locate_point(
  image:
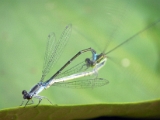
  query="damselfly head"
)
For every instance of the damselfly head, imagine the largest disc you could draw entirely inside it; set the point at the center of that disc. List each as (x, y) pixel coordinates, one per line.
(26, 95)
(89, 62)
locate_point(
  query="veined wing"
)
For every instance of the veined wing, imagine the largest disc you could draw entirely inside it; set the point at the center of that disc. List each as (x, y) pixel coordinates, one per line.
(75, 69)
(80, 67)
(54, 49)
(88, 83)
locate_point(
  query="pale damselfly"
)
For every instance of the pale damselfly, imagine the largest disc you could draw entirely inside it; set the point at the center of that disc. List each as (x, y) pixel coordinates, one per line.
(95, 63)
(53, 51)
(61, 79)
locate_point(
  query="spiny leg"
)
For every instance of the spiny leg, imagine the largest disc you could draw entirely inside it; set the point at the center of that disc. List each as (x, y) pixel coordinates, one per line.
(30, 103)
(40, 99)
(21, 103)
(47, 99)
(27, 103)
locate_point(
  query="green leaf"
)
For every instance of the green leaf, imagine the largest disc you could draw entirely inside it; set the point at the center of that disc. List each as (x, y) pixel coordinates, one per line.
(25, 25)
(148, 109)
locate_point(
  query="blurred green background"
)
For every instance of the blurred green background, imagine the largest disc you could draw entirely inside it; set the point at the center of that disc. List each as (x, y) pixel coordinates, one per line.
(132, 70)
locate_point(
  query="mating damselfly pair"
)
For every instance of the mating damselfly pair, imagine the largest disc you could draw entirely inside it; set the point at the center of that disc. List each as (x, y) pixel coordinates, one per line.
(68, 78)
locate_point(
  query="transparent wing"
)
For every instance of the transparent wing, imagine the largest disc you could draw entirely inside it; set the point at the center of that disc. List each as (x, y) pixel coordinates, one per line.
(75, 69)
(54, 49)
(80, 67)
(88, 83)
(48, 60)
(119, 17)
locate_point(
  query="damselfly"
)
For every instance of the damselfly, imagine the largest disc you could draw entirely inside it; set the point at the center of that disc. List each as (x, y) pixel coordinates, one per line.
(95, 63)
(53, 51)
(61, 79)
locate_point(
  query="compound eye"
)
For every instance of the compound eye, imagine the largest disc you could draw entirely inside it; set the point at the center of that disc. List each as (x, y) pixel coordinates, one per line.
(87, 60)
(24, 92)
